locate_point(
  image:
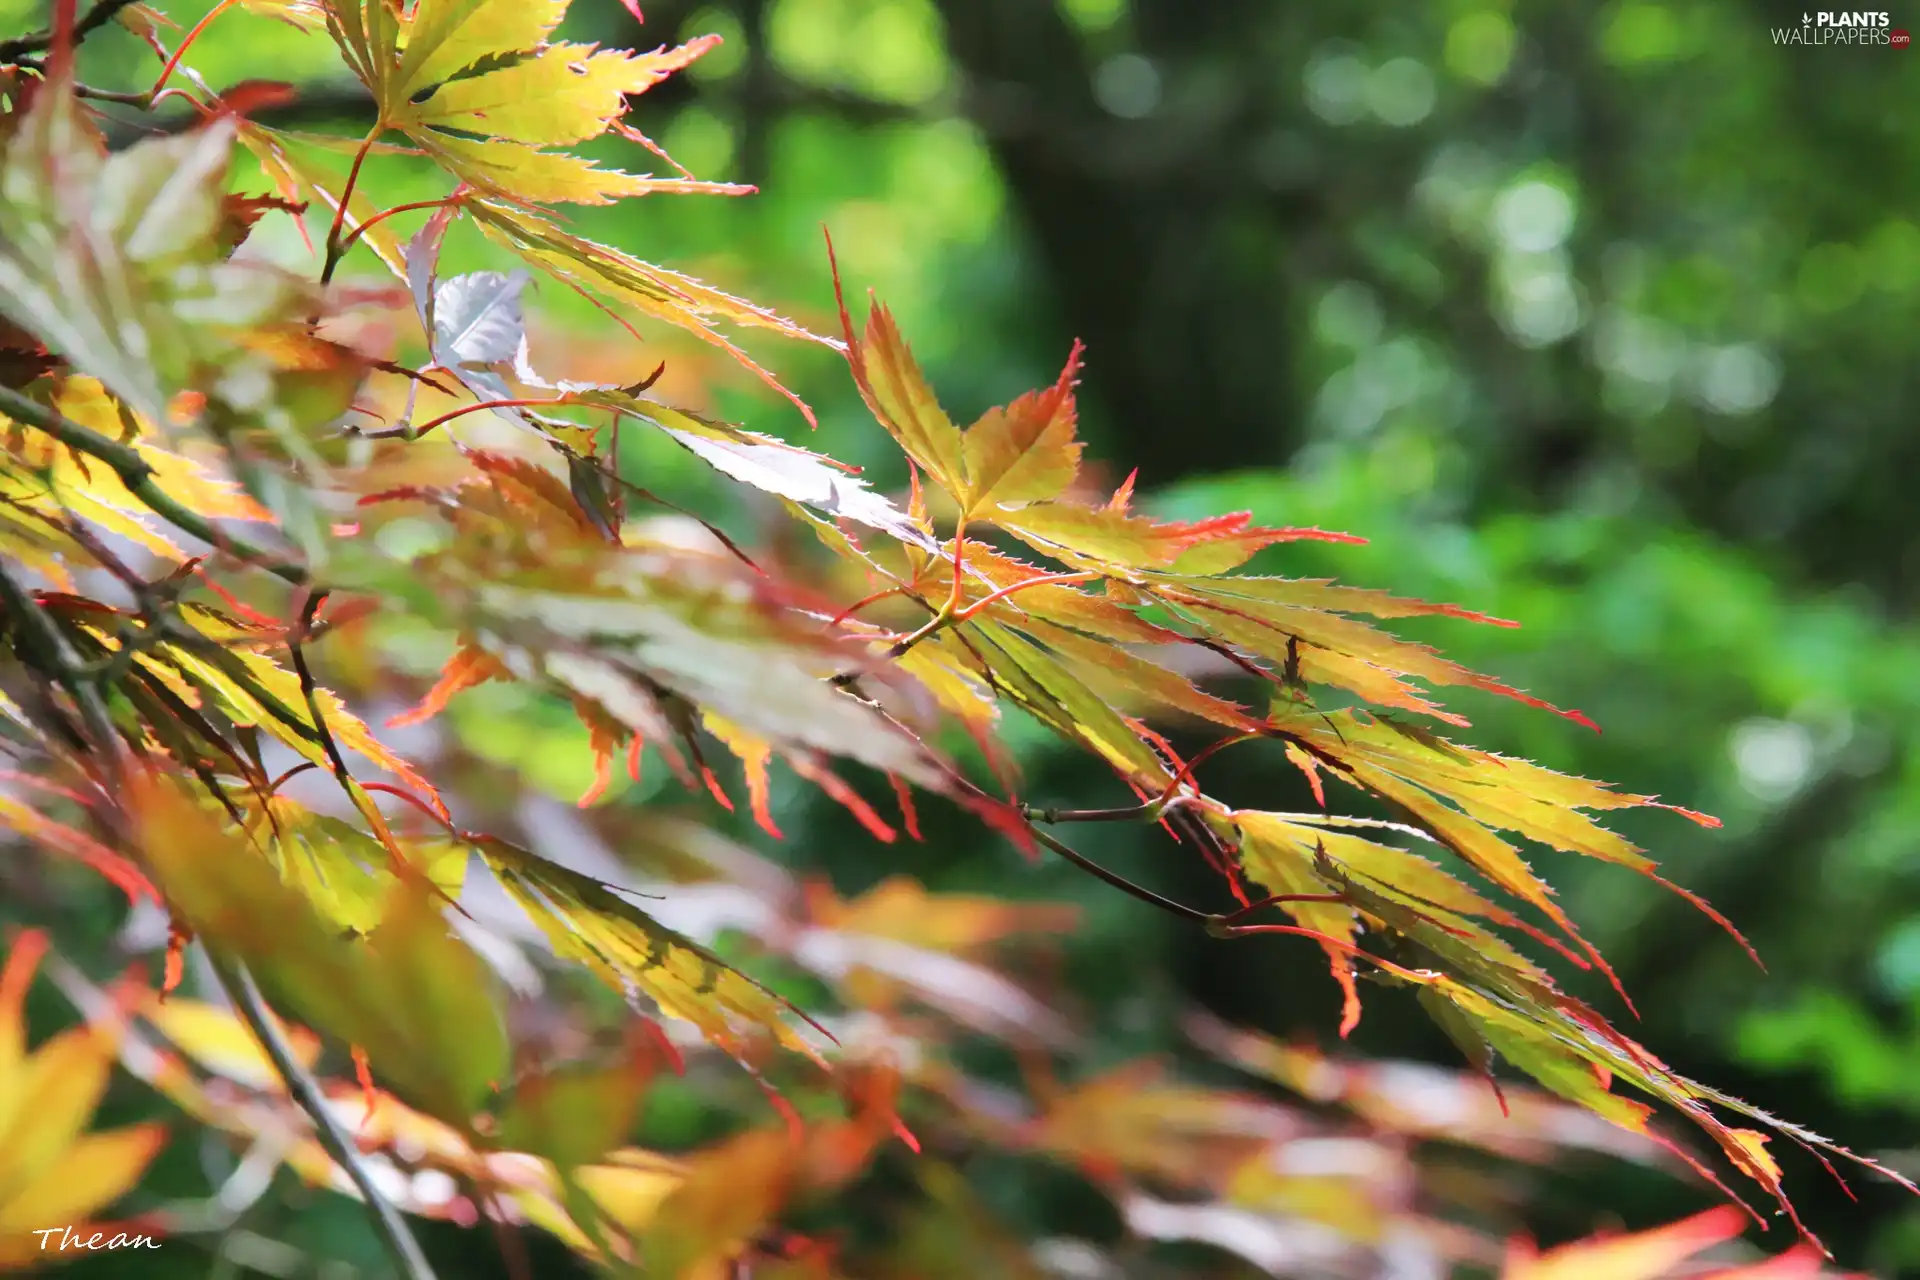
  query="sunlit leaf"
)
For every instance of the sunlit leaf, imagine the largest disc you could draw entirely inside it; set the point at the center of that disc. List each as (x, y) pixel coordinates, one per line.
(415, 999)
(117, 262)
(586, 921)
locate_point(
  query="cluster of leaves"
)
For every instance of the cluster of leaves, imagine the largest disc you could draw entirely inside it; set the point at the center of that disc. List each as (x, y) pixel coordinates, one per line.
(1294, 1190)
(166, 384)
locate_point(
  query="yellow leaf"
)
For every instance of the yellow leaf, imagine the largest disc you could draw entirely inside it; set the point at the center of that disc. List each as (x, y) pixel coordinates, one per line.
(288, 160)
(547, 177)
(95, 1170)
(897, 392)
(23, 959)
(213, 1037)
(1131, 1121)
(368, 33)
(307, 15)
(585, 921)
(1269, 627)
(1269, 849)
(728, 1194)
(565, 93)
(631, 1193)
(54, 1095)
(275, 696)
(1058, 697)
(1128, 679)
(446, 36)
(413, 996)
(1106, 536)
(37, 475)
(900, 908)
(619, 277)
(345, 872)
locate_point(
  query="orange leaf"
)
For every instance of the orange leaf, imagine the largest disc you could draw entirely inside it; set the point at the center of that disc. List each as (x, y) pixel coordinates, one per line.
(1645, 1255)
(1024, 452)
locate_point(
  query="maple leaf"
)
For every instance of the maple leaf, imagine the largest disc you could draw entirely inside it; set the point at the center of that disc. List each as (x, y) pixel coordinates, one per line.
(298, 165)
(899, 907)
(492, 125)
(774, 466)
(46, 480)
(52, 1169)
(1652, 1255)
(213, 664)
(586, 921)
(120, 279)
(1024, 452)
(897, 393)
(120, 264)
(622, 279)
(1014, 466)
(649, 638)
(341, 869)
(411, 996)
(1132, 1121)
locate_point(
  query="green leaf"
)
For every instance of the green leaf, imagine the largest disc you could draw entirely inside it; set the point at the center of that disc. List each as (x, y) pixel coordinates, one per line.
(417, 1000)
(572, 1114)
(118, 263)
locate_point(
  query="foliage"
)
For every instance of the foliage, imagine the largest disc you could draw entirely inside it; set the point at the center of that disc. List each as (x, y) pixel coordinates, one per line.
(55, 1171)
(169, 384)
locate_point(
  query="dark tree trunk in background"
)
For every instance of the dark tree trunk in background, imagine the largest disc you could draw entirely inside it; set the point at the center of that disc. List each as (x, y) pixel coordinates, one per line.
(1156, 248)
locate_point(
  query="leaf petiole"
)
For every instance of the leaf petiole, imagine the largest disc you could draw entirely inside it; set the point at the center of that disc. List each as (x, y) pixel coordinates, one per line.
(336, 247)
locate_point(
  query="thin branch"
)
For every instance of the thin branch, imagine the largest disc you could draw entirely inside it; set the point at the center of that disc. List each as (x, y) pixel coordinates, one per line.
(103, 12)
(898, 649)
(1123, 884)
(411, 432)
(57, 660)
(1123, 813)
(137, 475)
(305, 1091)
(1218, 925)
(310, 690)
(109, 95)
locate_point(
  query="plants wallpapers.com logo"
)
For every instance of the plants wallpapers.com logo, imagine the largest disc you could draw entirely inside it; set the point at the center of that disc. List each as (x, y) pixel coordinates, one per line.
(1844, 28)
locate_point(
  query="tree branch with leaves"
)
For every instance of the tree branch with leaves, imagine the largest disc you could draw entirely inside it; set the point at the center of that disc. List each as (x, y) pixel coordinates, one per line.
(181, 389)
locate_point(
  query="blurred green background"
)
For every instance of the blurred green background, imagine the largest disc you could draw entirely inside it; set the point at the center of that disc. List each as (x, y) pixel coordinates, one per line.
(1598, 317)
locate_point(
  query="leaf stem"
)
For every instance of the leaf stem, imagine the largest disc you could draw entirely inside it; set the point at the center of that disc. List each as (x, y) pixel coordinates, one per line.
(959, 564)
(355, 234)
(1045, 579)
(953, 611)
(186, 42)
(411, 432)
(137, 475)
(950, 611)
(305, 1091)
(335, 247)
